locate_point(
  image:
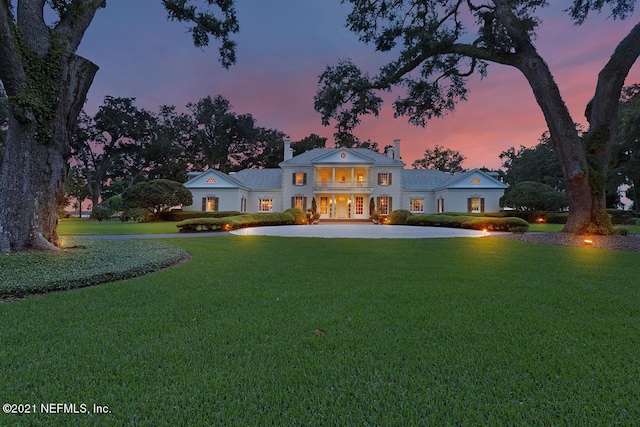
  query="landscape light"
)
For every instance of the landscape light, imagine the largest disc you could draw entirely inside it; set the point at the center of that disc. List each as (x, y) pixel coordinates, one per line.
(588, 242)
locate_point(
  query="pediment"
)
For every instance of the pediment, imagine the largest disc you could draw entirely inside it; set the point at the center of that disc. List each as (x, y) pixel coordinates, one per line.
(475, 179)
(341, 156)
(211, 179)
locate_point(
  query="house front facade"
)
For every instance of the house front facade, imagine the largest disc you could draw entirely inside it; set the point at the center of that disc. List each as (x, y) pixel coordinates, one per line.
(345, 183)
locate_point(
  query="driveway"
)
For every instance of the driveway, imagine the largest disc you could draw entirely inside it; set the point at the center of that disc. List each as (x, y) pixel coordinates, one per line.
(359, 231)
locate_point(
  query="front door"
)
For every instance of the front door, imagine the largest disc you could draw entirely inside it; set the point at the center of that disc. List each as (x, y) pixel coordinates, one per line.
(342, 208)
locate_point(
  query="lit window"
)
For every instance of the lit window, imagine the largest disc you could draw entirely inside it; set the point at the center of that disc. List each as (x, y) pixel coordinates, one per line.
(476, 204)
(299, 202)
(475, 180)
(211, 180)
(417, 205)
(384, 178)
(266, 205)
(211, 204)
(359, 205)
(299, 178)
(383, 205)
(324, 205)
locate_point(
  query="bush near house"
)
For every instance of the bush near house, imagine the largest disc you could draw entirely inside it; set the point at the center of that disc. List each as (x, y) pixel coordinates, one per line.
(471, 222)
(399, 217)
(182, 215)
(299, 216)
(235, 222)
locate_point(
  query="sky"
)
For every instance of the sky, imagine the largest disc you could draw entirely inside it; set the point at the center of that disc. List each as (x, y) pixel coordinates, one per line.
(284, 45)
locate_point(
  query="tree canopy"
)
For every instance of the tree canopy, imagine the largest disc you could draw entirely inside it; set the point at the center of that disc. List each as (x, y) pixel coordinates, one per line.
(156, 196)
(436, 45)
(440, 158)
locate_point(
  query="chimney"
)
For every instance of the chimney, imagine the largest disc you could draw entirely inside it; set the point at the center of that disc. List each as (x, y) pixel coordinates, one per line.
(288, 152)
(390, 152)
(396, 149)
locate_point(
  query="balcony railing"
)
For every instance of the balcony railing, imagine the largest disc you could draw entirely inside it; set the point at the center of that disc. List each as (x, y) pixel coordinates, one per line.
(343, 184)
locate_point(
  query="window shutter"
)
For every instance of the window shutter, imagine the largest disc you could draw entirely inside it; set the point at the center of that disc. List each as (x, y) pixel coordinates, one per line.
(390, 182)
(293, 201)
(442, 205)
(379, 182)
(215, 204)
(204, 204)
(390, 200)
(304, 180)
(304, 201)
(293, 178)
(469, 205)
(482, 205)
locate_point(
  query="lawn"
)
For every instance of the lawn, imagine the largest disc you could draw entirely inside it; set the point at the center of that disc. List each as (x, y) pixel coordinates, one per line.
(90, 227)
(289, 331)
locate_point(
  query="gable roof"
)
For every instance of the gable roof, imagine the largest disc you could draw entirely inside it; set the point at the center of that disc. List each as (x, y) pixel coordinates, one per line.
(334, 156)
(474, 178)
(212, 178)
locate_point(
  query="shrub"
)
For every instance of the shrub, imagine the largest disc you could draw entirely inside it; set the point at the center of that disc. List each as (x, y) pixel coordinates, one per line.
(399, 216)
(470, 222)
(235, 222)
(101, 212)
(299, 216)
(620, 217)
(182, 215)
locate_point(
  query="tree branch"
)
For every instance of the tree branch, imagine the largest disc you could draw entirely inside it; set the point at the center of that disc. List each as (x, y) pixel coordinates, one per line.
(12, 74)
(75, 21)
(603, 108)
(32, 25)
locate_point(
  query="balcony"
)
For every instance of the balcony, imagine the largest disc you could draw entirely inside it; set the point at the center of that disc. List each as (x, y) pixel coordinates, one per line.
(343, 186)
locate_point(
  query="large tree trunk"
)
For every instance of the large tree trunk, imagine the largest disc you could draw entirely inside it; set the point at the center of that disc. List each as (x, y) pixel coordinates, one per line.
(34, 170)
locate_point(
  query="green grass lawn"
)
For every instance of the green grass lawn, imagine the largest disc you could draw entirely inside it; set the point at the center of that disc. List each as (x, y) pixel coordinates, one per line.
(90, 227)
(409, 332)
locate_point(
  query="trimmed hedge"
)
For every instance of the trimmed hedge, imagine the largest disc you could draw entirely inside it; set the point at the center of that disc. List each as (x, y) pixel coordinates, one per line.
(299, 216)
(182, 215)
(235, 222)
(471, 222)
(399, 217)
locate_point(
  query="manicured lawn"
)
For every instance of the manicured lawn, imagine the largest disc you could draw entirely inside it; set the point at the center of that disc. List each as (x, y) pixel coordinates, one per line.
(277, 331)
(552, 228)
(89, 227)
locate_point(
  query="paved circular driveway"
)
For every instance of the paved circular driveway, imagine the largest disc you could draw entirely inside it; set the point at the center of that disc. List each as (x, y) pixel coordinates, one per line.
(358, 230)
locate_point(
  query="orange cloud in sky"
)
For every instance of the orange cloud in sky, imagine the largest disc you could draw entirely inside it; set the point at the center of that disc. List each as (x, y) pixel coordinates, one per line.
(281, 55)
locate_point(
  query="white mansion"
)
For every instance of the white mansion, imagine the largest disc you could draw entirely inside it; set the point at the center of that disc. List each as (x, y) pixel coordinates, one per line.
(343, 181)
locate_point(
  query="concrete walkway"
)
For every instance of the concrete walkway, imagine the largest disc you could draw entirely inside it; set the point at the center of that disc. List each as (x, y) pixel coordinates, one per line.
(358, 231)
(336, 230)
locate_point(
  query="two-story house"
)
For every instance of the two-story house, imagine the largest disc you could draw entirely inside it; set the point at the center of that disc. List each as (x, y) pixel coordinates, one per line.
(344, 182)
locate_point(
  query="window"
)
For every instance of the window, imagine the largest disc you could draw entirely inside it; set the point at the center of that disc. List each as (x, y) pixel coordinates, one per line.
(440, 205)
(299, 178)
(209, 204)
(359, 205)
(417, 205)
(266, 205)
(243, 204)
(384, 205)
(324, 205)
(475, 204)
(384, 178)
(299, 202)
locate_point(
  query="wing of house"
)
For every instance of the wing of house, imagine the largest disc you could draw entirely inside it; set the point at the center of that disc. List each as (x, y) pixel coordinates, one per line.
(344, 182)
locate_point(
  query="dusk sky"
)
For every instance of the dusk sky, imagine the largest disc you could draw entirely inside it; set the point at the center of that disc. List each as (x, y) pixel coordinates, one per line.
(283, 46)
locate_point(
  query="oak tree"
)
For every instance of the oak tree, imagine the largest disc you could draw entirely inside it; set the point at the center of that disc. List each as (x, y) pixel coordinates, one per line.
(436, 45)
(46, 84)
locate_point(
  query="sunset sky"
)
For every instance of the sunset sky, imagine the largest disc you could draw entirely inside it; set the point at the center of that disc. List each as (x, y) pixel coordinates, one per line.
(283, 46)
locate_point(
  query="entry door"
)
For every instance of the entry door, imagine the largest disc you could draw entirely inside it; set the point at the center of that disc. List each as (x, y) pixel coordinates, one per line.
(342, 208)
